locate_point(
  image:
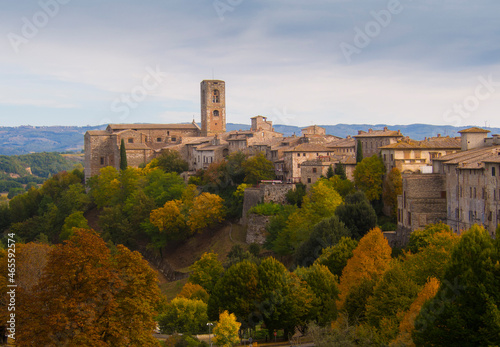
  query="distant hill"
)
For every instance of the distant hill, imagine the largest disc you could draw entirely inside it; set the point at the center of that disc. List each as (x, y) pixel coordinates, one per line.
(29, 139)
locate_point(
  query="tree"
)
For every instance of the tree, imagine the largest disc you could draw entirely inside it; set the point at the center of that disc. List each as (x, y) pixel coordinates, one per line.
(420, 238)
(393, 186)
(236, 292)
(183, 315)
(74, 220)
(336, 257)
(327, 232)
(368, 176)
(258, 168)
(123, 156)
(407, 325)
(359, 152)
(171, 161)
(370, 259)
(340, 171)
(330, 173)
(343, 187)
(465, 309)
(207, 210)
(226, 330)
(323, 284)
(169, 220)
(89, 297)
(194, 292)
(206, 271)
(357, 214)
(296, 196)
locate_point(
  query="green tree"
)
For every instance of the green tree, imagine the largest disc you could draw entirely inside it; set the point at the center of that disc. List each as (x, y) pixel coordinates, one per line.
(343, 187)
(465, 310)
(420, 238)
(183, 315)
(123, 156)
(336, 257)
(236, 292)
(330, 172)
(226, 330)
(171, 161)
(340, 171)
(74, 220)
(258, 168)
(206, 271)
(393, 186)
(327, 232)
(296, 196)
(357, 214)
(368, 176)
(323, 284)
(359, 152)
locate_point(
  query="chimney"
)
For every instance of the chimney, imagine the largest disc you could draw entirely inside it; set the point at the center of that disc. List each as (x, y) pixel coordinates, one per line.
(370, 130)
(385, 129)
(439, 135)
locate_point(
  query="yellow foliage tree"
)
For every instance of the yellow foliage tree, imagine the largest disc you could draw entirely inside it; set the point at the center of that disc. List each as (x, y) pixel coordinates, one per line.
(407, 325)
(169, 217)
(370, 259)
(226, 330)
(193, 291)
(207, 209)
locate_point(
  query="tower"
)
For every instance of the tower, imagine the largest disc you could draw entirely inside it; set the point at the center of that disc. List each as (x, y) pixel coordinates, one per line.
(213, 107)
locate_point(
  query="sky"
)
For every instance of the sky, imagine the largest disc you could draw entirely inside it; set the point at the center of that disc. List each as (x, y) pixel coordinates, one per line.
(297, 62)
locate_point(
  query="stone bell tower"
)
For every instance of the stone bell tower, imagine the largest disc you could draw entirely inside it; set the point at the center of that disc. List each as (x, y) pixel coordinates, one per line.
(213, 107)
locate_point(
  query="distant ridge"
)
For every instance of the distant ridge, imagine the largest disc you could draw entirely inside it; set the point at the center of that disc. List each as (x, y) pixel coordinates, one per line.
(30, 139)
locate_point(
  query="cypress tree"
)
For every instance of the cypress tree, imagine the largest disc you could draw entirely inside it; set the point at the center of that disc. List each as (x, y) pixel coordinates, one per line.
(123, 156)
(330, 173)
(359, 152)
(340, 171)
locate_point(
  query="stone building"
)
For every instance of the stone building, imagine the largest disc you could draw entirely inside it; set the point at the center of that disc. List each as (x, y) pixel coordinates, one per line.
(295, 156)
(213, 107)
(313, 170)
(411, 156)
(372, 140)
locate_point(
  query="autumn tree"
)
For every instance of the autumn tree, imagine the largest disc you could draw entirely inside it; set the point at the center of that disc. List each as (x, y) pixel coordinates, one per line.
(206, 271)
(89, 297)
(468, 298)
(336, 257)
(226, 330)
(170, 222)
(420, 238)
(194, 292)
(368, 176)
(370, 259)
(357, 214)
(236, 292)
(323, 285)
(123, 156)
(207, 210)
(258, 168)
(183, 315)
(393, 186)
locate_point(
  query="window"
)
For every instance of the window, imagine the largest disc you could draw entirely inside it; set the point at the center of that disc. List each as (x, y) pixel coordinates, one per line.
(474, 192)
(303, 154)
(493, 171)
(216, 113)
(308, 179)
(385, 157)
(168, 133)
(215, 96)
(314, 170)
(470, 192)
(130, 140)
(298, 154)
(102, 160)
(174, 139)
(392, 157)
(484, 194)
(158, 139)
(456, 213)
(470, 216)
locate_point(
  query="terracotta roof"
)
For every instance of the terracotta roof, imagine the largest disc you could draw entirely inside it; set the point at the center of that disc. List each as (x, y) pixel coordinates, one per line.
(308, 147)
(494, 158)
(431, 143)
(98, 132)
(474, 130)
(152, 126)
(136, 146)
(350, 142)
(379, 133)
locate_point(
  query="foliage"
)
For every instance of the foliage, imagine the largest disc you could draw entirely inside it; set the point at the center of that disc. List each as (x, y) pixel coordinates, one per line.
(266, 209)
(296, 196)
(183, 315)
(357, 214)
(171, 161)
(340, 171)
(194, 292)
(226, 330)
(258, 168)
(368, 176)
(323, 284)
(419, 239)
(237, 254)
(74, 220)
(330, 172)
(14, 192)
(207, 210)
(343, 187)
(206, 271)
(277, 224)
(336, 257)
(465, 309)
(326, 233)
(407, 325)
(42, 164)
(89, 297)
(123, 156)
(359, 152)
(354, 306)
(393, 186)
(236, 292)
(370, 259)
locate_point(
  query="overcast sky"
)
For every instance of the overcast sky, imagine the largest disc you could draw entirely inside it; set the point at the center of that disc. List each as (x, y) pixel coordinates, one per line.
(298, 62)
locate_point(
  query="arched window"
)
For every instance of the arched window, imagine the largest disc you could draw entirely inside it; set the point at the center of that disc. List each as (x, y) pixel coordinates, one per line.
(215, 96)
(216, 113)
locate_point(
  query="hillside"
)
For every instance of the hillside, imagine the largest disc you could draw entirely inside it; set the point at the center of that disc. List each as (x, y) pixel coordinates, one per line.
(29, 139)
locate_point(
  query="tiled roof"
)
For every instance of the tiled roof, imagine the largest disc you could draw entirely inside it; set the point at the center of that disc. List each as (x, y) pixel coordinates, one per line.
(379, 133)
(431, 143)
(308, 147)
(98, 133)
(474, 130)
(152, 126)
(136, 146)
(348, 142)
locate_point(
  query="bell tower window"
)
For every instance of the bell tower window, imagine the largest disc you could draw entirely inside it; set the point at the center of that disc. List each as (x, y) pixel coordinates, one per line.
(216, 113)
(216, 96)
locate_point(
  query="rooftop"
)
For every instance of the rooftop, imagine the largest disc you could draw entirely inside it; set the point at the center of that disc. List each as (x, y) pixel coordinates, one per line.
(474, 130)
